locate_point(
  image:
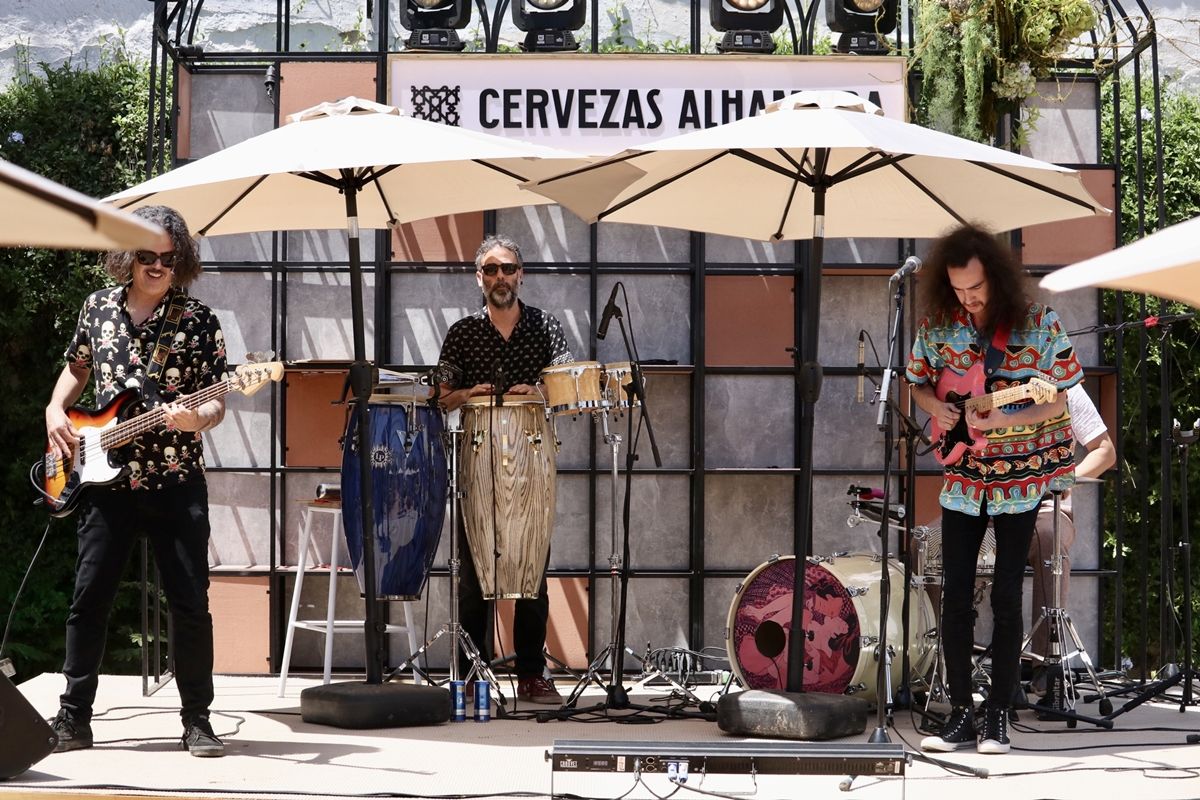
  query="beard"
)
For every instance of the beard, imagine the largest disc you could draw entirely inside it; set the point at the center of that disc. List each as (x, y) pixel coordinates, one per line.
(502, 296)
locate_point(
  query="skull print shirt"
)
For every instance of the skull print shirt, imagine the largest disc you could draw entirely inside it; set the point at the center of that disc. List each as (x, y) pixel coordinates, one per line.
(474, 351)
(118, 352)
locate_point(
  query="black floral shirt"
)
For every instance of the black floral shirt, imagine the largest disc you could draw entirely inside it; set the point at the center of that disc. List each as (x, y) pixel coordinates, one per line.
(474, 351)
(118, 352)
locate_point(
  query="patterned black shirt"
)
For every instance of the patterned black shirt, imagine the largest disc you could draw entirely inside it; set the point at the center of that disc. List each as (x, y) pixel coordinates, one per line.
(117, 351)
(474, 351)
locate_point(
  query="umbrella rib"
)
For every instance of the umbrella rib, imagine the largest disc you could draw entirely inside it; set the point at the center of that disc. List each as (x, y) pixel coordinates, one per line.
(588, 168)
(204, 231)
(86, 214)
(661, 184)
(753, 158)
(928, 193)
(873, 161)
(1035, 185)
(505, 172)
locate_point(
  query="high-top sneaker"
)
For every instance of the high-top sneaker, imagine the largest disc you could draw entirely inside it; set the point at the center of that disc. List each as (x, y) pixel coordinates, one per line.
(994, 739)
(957, 733)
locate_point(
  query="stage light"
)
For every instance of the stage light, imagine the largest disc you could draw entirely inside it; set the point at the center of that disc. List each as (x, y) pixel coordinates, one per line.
(747, 24)
(433, 23)
(862, 24)
(549, 24)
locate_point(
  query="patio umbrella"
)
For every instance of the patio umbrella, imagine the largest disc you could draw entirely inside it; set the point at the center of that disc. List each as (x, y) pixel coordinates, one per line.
(817, 164)
(41, 213)
(363, 165)
(1165, 263)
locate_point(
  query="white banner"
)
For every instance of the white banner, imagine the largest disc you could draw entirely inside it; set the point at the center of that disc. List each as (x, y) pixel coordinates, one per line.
(602, 104)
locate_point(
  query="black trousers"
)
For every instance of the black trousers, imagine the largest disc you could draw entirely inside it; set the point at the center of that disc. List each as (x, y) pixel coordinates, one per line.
(529, 618)
(962, 535)
(175, 521)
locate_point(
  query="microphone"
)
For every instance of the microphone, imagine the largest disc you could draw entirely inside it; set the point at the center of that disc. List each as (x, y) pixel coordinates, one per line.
(610, 310)
(858, 396)
(911, 267)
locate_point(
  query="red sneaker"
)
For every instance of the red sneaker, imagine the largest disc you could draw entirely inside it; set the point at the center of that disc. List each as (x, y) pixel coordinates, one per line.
(538, 690)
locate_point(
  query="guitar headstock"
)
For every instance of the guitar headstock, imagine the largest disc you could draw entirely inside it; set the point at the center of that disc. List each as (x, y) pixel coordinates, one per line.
(249, 378)
(1042, 391)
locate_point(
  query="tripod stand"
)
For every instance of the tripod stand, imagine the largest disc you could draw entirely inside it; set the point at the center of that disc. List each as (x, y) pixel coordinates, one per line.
(1061, 694)
(1187, 673)
(612, 653)
(459, 638)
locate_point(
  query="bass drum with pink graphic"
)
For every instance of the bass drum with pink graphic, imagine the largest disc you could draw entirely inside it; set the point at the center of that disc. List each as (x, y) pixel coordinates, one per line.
(841, 621)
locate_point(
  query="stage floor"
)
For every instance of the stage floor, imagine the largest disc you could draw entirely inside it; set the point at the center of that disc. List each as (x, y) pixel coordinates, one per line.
(271, 752)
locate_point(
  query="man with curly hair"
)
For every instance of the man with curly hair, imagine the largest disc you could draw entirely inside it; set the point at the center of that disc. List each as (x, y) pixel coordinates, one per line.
(979, 322)
(164, 497)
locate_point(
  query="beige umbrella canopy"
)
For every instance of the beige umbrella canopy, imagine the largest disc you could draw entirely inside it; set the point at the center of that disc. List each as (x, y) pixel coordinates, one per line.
(763, 177)
(37, 212)
(399, 167)
(1166, 263)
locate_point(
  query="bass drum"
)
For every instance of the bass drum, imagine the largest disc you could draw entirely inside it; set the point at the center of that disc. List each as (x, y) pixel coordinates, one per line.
(841, 620)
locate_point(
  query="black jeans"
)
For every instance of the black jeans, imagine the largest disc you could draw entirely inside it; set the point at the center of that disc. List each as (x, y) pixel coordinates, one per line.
(962, 535)
(175, 521)
(529, 618)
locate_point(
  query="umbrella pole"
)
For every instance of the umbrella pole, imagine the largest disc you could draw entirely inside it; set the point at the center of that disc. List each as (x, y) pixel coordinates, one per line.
(362, 379)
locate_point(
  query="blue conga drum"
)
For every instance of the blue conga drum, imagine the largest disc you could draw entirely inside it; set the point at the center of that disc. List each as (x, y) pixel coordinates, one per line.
(408, 493)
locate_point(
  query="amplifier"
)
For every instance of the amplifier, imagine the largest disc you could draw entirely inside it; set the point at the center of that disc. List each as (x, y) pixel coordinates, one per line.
(735, 758)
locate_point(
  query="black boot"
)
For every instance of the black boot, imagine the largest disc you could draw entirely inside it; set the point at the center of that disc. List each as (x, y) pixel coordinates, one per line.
(957, 733)
(994, 740)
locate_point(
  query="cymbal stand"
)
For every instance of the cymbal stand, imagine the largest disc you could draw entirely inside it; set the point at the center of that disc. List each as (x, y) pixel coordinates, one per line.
(615, 692)
(459, 638)
(1061, 692)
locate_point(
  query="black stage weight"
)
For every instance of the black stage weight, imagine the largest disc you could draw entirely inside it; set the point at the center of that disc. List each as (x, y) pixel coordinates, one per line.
(372, 703)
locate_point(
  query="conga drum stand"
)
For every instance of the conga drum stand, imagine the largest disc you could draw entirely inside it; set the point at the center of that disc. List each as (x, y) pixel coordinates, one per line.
(459, 638)
(1061, 693)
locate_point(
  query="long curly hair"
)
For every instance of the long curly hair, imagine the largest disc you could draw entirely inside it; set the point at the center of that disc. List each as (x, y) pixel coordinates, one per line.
(1007, 300)
(119, 263)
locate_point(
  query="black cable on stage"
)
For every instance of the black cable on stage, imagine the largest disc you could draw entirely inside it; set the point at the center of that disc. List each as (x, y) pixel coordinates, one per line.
(24, 579)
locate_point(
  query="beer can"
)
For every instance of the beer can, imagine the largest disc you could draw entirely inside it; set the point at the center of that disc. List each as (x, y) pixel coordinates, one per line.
(483, 702)
(458, 697)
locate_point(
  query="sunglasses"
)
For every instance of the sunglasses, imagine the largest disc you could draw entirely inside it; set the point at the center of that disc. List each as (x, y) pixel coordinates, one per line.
(147, 258)
(491, 269)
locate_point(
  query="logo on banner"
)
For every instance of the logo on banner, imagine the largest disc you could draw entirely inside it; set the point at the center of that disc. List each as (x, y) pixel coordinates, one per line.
(438, 104)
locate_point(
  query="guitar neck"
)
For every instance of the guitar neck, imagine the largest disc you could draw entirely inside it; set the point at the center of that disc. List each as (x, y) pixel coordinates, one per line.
(986, 402)
(131, 428)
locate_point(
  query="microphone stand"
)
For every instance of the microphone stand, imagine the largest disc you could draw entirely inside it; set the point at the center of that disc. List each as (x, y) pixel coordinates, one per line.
(615, 694)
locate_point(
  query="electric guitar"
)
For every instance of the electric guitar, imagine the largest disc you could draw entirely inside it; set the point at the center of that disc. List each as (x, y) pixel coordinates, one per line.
(965, 392)
(102, 432)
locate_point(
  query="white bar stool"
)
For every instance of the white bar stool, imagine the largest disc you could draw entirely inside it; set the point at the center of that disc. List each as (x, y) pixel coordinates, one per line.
(329, 626)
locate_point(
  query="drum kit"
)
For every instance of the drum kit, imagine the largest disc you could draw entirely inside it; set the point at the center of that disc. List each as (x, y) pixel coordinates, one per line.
(495, 461)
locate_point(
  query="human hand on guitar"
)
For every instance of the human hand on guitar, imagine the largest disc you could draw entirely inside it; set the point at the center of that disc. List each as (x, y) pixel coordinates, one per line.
(61, 435)
(176, 416)
(985, 420)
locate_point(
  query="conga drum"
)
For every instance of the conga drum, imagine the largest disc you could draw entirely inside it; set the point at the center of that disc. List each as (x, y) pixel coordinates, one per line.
(618, 386)
(408, 493)
(508, 476)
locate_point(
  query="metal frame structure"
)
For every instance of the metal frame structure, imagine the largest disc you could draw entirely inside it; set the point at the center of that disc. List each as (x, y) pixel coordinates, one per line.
(1116, 47)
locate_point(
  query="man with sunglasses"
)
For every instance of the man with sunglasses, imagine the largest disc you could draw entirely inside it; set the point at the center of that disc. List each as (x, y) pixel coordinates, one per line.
(502, 349)
(164, 497)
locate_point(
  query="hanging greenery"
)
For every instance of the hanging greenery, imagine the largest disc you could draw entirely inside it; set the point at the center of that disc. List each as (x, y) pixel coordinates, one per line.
(980, 59)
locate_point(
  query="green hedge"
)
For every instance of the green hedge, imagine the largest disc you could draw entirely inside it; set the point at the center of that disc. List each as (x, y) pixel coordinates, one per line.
(85, 128)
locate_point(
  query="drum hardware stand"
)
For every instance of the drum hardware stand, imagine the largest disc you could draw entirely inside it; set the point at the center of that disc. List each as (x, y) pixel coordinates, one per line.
(1061, 691)
(1187, 672)
(459, 638)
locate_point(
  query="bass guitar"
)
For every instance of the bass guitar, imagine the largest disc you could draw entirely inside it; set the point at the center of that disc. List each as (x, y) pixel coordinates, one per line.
(965, 392)
(96, 462)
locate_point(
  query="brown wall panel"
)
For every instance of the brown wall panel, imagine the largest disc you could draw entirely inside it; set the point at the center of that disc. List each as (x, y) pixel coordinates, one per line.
(731, 302)
(1059, 243)
(314, 423)
(240, 610)
(438, 239)
(566, 633)
(306, 84)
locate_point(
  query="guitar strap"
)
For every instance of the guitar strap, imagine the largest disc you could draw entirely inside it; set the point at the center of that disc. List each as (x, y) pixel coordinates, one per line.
(994, 356)
(162, 346)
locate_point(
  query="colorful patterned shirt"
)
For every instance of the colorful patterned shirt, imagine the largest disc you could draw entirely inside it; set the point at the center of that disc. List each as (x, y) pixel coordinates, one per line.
(117, 352)
(1018, 465)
